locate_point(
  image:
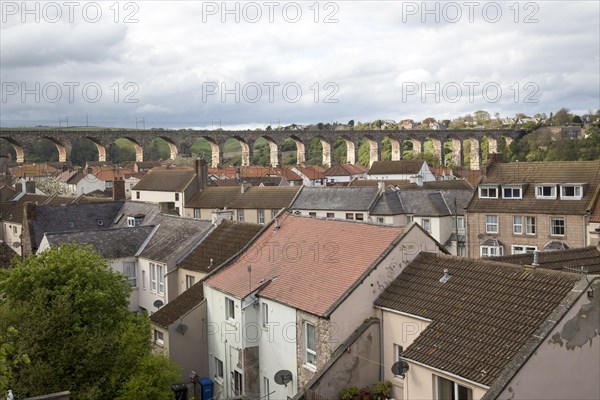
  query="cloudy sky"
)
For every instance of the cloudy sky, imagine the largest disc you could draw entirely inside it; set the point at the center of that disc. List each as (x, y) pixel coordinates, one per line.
(251, 64)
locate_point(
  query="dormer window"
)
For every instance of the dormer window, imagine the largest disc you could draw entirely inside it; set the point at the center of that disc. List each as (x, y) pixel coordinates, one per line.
(545, 192)
(511, 192)
(488, 192)
(130, 221)
(571, 192)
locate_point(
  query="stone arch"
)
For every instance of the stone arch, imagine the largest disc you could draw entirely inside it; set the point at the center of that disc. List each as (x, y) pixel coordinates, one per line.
(139, 150)
(246, 154)
(63, 148)
(325, 147)
(374, 148)
(300, 149)
(172, 147)
(19, 149)
(396, 148)
(275, 155)
(83, 144)
(349, 147)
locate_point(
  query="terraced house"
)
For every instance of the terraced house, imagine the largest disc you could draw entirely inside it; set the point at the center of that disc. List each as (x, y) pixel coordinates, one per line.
(523, 207)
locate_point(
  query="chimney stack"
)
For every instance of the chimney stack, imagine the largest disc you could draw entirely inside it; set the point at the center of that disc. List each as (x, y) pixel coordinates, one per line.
(381, 186)
(30, 187)
(118, 189)
(536, 259)
(595, 237)
(201, 172)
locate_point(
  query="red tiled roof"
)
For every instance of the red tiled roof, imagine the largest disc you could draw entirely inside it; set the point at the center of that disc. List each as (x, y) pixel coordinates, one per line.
(312, 262)
(345, 170)
(312, 171)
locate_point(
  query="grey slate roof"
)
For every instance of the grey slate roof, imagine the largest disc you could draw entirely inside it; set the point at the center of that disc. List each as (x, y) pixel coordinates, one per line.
(166, 180)
(72, 218)
(174, 235)
(110, 243)
(388, 203)
(335, 198)
(434, 203)
(131, 208)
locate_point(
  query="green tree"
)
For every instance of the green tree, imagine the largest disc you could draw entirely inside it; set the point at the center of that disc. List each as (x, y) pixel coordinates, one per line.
(152, 380)
(66, 312)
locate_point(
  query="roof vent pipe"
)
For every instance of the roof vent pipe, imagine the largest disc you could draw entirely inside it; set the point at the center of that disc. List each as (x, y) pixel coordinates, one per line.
(446, 277)
(536, 259)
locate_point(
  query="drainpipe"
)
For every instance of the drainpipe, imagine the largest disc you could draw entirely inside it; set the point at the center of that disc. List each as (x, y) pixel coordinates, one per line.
(381, 347)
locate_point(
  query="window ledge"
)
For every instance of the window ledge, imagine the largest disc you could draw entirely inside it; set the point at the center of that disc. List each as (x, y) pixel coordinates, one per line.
(309, 367)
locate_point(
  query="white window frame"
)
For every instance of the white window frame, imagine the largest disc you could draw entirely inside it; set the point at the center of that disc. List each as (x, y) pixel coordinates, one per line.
(261, 216)
(307, 351)
(553, 226)
(426, 224)
(219, 374)
(130, 222)
(530, 225)
(190, 280)
(522, 249)
(517, 226)
(153, 280)
(229, 309)
(330, 215)
(350, 216)
(398, 352)
(489, 225)
(491, 251)
(132, 273)
(274, 213)
(160, 272)
(512, 189)
(197, 213)
(159, 338)
(359, 217)
(484, 192)
(459, 222)
(455, 388)
(576, 188)
(240, 215)
(265, 314)
(540, 195)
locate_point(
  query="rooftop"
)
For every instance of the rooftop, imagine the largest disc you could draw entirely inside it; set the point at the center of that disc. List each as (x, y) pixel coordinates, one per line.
(173, 236)
(528, 174)
(181, 305)
(226, 240)
(345, 170)
(166, 180)
(336, 198)
(72, 218)
(570, 260)
(110, 243)
(399, 167)
(254, 197)
(481, 317)
(313, 280)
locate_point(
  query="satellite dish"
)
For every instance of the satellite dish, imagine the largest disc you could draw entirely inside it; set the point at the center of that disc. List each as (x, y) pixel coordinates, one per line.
(283, 377)
(158, 303)
(480, 236)
(181, 328)
(400, 368)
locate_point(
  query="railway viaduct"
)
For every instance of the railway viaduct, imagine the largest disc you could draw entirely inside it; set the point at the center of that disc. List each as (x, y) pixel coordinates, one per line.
(181, 141)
